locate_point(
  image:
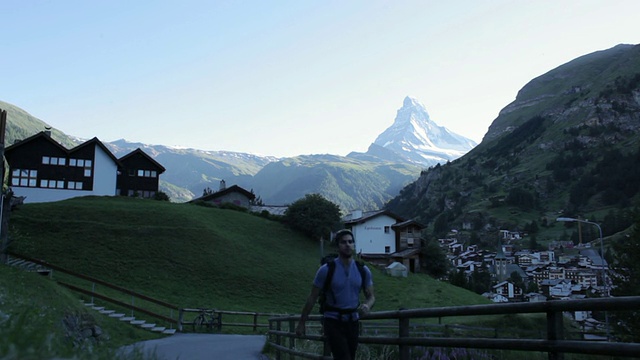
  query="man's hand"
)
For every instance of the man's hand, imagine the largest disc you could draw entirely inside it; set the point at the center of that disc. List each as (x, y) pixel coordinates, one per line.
(363, 309)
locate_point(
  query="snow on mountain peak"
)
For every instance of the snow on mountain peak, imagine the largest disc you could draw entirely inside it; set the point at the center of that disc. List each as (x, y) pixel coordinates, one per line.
(418, 139)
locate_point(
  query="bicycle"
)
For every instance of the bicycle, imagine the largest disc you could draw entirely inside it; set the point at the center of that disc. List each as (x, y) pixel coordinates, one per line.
(206, 318)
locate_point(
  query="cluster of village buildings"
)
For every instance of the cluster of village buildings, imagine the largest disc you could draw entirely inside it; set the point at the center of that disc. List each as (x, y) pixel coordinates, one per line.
(564, 277)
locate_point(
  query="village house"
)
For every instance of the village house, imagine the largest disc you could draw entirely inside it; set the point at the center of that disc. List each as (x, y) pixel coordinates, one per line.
(228, 195)
(508, 290)
(42, 170)
(383, 237)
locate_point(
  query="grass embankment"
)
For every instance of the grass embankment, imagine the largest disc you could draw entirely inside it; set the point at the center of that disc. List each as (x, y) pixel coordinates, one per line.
(195, 256)
(37, 319)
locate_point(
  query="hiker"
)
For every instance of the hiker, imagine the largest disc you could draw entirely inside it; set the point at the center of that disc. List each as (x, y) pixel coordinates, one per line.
(343, 308)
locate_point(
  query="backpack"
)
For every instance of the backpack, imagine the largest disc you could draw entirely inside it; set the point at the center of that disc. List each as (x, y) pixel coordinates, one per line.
(326, 288)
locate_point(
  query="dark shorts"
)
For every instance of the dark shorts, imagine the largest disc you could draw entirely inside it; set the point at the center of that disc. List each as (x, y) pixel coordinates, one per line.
(342, 337)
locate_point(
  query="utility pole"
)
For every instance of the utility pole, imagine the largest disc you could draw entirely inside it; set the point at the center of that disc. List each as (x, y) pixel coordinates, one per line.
(5, 204)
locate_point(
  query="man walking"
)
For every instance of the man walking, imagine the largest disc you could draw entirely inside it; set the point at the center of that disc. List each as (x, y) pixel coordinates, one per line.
(343, 309)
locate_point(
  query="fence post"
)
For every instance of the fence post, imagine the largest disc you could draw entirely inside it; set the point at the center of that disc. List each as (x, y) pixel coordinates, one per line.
(554, 332)
(278, 339)
(292, 340)
(403, 332)
(219, 321)
(255, 322)
(180, 318)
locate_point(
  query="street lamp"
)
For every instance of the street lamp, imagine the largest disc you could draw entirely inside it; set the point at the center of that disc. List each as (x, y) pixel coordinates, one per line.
(604, 279)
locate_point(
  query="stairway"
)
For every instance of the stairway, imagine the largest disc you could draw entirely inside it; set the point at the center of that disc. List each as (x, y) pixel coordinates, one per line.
(27, 265)
(130, 319)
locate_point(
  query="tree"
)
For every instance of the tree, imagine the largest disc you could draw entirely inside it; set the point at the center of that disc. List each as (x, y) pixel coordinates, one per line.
(161, 196)
(433, 259)
(626, 280)
(314, 216)
(480, 281)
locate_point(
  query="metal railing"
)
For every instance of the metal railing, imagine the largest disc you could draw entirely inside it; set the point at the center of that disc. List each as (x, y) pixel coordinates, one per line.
(282, 337)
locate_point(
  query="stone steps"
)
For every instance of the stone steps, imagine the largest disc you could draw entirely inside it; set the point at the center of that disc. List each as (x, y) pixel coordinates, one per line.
(130, 319)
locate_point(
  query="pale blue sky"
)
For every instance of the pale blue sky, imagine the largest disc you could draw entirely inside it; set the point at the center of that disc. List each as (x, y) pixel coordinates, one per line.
(285, 78)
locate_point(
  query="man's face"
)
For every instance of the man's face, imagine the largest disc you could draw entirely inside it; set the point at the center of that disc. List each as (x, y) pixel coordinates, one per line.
(346, 246)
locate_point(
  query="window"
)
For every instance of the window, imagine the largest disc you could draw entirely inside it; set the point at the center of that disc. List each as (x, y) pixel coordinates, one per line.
(387, 249)
(143, 173)
(74, 185)
(49, 160)
(387, 229)
(410, 243)
(24, 178)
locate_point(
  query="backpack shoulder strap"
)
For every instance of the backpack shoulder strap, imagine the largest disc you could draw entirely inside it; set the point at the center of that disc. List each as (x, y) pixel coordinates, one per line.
(331, 268)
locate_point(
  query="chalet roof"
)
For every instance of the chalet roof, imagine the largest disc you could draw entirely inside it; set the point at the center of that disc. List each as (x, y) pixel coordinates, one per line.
(230, 189)
(41, 134)
(368, 215)
(405, 253)
(95, 141)
(47, 137)
(407, 223)
(138, 151)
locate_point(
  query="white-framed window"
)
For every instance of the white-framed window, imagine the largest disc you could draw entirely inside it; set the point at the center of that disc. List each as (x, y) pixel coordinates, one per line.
(51, 160)
(74, 185)
(24, 178)
(144, 173)
(387, 249)
(387, 229)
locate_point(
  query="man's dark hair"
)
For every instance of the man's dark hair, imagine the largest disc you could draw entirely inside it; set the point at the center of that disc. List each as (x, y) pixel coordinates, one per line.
(340, 234)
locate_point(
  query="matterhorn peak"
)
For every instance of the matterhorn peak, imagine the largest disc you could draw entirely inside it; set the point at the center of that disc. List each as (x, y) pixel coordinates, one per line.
(418, 139)
(411, 102)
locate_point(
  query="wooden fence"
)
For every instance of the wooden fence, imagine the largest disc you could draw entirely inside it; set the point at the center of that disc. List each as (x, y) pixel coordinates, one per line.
(282, 337)
(138, 303)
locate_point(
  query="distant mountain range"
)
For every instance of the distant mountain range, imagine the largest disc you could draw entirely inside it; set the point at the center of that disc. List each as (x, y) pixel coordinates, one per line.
(358, 181)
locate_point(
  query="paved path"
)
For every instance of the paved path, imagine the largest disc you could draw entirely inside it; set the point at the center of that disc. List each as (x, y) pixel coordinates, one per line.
(204, 346)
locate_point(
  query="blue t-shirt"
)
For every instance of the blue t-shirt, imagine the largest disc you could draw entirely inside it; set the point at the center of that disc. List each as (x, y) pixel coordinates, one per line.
(345, 287)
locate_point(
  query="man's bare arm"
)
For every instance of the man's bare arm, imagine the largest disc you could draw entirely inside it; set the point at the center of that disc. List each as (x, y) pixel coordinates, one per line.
(370, 300)
(306, 309)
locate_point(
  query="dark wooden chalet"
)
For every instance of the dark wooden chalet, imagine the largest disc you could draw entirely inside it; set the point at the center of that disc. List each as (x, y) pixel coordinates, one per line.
(139, 175)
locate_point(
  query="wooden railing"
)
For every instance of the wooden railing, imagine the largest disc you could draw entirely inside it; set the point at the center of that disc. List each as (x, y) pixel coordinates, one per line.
(227, 319)
(282, 337)
(140, 303)
(142, 306)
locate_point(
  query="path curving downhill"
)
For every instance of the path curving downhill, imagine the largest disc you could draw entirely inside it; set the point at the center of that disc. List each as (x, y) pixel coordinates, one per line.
(203, 346)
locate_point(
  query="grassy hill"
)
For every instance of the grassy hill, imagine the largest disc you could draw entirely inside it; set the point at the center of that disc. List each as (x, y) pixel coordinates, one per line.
(196, 256)
(39, 320)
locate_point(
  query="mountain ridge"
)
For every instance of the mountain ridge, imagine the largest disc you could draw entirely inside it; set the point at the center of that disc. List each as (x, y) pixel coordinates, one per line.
(567, 146)
(190, 171)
